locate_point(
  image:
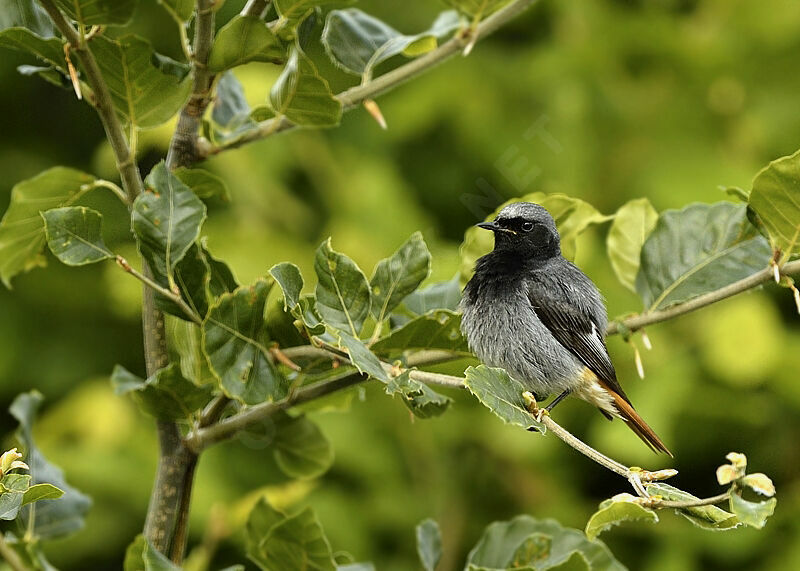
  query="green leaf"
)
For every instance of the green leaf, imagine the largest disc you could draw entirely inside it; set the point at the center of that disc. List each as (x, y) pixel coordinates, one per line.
(186, 338)
(438, 329)
(293, 543)
(358, 42)
(396, 277)
(191, 277)
(263, 517)
(420, 399)
(22, 235)
(166, 395)
(51, 518)
(27, 14)
(501, 394)
(526, 542)
(706, 517)
(235, 343)
(244, 39)
(48, 49)
(775, 198)
(754, 514)
(698, 249)
(620, 508)
(294, 11)
(204, 184)
(99, 12)
(632, 224)
(142, 556)
(147, 89)
(291, 281)
(48, 73)
(442, 295)
(220, 279)
(166, 220)
(230, 108)
(477, 9)
(10, 504)
(363, 359)
(179, 9)
(41, 492)
(15, 482)
(74, 235)
(429, 544)
(301, 449)
(343, 294)
(572, 215)
(302, 96)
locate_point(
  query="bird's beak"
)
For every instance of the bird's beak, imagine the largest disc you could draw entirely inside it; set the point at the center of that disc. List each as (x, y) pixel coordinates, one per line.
(488, 226)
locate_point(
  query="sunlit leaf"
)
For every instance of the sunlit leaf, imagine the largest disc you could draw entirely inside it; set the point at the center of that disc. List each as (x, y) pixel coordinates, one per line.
(429, 544)
(343, 293)
(166, 395)
(706, 517)
(302, 96)
(22, 235)
(438, 329)
(358, 42)
(235, 342)
(698, 249)
(420, 399)
(51, 518)
(244, 39)
(396, 277)
(760, 483)
(98, 12)
(180, 9)
(632, 224)
(301, 449)
(754, 514)
(363, 359)
(775, 198)
(529, 543)
(501, 394)
(74, 235)
(615, 511)
(147, 89)
(41, 492)
(141, 556)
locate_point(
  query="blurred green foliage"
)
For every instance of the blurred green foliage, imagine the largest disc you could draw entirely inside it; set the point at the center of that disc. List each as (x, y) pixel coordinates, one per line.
(604, 101)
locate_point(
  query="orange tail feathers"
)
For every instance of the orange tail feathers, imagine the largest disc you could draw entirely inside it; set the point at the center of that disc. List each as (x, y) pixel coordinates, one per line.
(638, 425)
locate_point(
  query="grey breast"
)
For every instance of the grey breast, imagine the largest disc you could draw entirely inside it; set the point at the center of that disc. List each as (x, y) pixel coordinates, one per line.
(503, 330)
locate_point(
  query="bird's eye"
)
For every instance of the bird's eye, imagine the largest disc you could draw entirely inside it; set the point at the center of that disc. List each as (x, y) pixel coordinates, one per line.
(527, 226)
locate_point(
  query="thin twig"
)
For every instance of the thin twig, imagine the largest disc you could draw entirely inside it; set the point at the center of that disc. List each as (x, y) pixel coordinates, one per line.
(173, 297)
(354, 96)
(12, 557)
(655, 502)
(254, 8)
(638, 321)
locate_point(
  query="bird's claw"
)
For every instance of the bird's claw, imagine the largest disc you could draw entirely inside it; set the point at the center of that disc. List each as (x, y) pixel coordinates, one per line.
(533, 407)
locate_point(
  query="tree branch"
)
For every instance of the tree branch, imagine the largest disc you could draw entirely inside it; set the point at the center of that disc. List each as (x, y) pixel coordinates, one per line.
(254, 8)
(638, 321)
(388, 81)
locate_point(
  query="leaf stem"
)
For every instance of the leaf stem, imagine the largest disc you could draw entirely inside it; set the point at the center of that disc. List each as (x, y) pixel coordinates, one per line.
(652, 502)
(12, 558)
(254, 8)
(354, 96)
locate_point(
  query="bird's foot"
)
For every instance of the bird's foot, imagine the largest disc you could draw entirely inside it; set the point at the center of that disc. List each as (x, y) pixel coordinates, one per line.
(533, 407)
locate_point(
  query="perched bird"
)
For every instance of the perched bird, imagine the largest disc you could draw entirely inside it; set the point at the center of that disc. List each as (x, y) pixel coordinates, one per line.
(535, 314)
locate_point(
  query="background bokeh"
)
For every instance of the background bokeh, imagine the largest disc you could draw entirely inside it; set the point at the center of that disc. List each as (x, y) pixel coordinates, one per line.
(603, 100)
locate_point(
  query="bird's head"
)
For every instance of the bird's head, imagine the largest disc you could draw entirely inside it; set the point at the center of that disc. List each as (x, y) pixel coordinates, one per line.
(526, 229)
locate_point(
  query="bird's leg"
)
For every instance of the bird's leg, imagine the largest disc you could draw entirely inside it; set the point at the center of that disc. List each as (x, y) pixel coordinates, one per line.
(556, 400)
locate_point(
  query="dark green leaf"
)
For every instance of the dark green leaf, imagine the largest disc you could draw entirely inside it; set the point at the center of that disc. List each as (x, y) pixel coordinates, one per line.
(146, 89)
(306, 311)
(74, 235)
(292, 12)
(698, 249)
(301, 450)
(396, 277)
(358, 42)
(27, 14)
(235, 344)
(47, 49)
(98, 12)
(41, 492)
(291, 281)
(48, 73)
(186, 338)
(572, 217)
(302, 96)
(526, 542)
(141, 556)
(295, 543)
(501, 394)
(429, 544)
(244, 39)
(22, 235)
(632, 224)
(706, 517)
(754, 514)
(221, 279)
(439, 329)
(52, 518)
(618, 509)
(179, 9)
(167, 395)
(420, 399)
(166, 221)
(343, 293)
(191, 277)
(204, 184)
(263, 517)
(442, 295)
(775, 198)
(363, 359)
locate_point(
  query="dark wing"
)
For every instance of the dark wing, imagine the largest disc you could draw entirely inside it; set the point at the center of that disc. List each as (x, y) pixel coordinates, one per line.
(572, 317)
